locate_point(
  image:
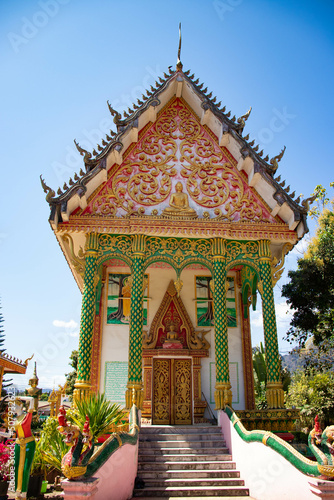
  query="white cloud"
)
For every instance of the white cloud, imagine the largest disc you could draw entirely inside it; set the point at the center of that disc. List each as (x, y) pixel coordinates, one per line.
(71, 327)
(257, 319)
(63, 324)
(283, 312)
(51, 381)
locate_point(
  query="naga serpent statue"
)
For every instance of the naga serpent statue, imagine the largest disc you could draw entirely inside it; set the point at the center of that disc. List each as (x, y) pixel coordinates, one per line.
(81, 461)
(322, 447)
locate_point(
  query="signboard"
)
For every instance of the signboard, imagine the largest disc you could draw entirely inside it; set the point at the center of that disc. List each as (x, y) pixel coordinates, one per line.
(115, 380)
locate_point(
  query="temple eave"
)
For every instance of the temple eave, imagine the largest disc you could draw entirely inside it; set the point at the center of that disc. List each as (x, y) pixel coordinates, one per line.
(203, 228)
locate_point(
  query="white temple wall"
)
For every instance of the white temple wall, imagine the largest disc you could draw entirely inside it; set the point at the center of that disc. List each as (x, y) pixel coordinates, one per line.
(115, 338)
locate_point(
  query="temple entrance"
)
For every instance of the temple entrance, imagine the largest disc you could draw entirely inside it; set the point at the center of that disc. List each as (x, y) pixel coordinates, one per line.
(172, 391)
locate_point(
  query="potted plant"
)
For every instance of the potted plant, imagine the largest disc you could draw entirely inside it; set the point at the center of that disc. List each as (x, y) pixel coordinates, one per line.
(37, 474)
(103, 415)
(50, 449)
(6, 464)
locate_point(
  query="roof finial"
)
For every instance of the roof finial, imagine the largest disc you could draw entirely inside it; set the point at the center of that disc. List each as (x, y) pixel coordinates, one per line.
(179, 65)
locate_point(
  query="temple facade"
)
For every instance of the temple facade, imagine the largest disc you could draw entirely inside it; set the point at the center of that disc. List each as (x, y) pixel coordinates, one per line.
(175, 223)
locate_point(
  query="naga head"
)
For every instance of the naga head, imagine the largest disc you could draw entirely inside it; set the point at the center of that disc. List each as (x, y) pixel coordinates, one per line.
(316, 432)
(87, 436)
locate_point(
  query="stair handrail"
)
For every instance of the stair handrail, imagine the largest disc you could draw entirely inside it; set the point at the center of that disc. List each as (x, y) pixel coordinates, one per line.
(213, 419)
(303, 464)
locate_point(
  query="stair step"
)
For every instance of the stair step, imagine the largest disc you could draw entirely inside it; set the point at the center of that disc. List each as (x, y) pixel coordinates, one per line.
(189, 474)
(219, 443)
(187, 461)
(200, 465)
(193, 429)
(152, 483)
(189, 491)
(177, 457)
(181, 437)
(184, 451)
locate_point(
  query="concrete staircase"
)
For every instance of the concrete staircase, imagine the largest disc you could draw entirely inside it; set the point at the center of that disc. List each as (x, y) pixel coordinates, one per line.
(186, 461)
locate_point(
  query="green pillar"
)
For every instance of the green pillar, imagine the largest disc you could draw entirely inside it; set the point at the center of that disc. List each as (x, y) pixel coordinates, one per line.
(223, 393)
(134, 393)
(274, 391)
(82, 384)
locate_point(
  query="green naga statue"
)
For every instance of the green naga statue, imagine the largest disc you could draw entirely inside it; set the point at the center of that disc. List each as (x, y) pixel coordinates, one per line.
(82, 460)
(322, 446)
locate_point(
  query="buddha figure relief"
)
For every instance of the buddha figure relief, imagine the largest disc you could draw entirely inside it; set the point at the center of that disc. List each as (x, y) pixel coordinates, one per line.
(179, 204)
(172, 338)
(171, 333)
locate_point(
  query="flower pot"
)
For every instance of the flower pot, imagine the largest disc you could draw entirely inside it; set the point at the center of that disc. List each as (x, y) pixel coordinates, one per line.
(3, 490)
(35, 484)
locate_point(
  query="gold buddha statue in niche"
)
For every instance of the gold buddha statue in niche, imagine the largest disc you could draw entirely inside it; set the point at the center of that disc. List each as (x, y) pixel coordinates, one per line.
(171, 333)
(172, 340)
(179, 204)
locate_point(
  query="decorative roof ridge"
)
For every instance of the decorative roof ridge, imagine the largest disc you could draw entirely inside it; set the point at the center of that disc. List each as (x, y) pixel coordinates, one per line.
(7, 357)
(233, 126)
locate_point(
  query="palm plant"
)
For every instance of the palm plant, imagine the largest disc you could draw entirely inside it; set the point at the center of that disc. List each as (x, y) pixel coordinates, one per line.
(50, 449)
(101, 412)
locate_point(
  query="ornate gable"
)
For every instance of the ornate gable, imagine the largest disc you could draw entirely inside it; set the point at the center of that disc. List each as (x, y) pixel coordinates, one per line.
(177, 148)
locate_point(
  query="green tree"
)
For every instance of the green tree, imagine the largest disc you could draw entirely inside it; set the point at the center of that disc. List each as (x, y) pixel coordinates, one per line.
(260, 376)
(310, 291)
(313, 394)
(72, 376)
(44, 396)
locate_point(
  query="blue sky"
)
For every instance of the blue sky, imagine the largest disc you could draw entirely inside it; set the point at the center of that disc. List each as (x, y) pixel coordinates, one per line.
(62, 60)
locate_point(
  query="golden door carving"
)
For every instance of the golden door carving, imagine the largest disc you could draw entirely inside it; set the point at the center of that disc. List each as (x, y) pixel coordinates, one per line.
(172, 400)
(161, 391)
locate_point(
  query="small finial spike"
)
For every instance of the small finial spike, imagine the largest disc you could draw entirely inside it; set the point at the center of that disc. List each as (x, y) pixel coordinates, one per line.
(179, 65)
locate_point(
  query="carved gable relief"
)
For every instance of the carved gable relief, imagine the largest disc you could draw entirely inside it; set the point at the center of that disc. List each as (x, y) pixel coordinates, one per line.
(172, 327)
(176, 148)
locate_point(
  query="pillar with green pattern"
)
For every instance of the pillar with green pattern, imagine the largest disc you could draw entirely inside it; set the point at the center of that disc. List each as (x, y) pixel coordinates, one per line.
(82, 384)
(134, 393)
(274, 391)
(223, 394)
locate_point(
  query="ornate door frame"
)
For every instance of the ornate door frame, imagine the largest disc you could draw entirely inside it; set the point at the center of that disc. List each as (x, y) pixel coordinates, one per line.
(198, 406)
(172, 395)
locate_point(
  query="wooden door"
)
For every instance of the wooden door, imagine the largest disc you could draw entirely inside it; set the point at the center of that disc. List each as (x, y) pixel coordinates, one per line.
(172, 394)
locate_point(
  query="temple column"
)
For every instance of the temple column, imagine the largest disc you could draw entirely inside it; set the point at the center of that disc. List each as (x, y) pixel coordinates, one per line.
(274, 391)
(134, 393)
(223, 393)
(83, 382)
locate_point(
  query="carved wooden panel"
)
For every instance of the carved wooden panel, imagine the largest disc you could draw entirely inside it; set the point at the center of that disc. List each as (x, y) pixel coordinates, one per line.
(172, 394)
(161, 391)
(182, 392)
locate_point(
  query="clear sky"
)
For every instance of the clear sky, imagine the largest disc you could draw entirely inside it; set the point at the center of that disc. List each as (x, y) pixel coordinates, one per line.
(62, 60)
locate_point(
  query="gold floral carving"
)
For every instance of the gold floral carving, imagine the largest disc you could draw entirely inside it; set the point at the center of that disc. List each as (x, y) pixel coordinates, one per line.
(260, 287)
(182, 391)
(248, 250)
(161, 391)
(178, 286)
(177, 146)
(78, 260)
(194, 340)
(277, 265)
(198, 340)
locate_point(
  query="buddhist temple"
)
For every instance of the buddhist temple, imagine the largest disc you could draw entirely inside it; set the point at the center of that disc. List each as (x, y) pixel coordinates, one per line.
(10, 364)
(170, 228)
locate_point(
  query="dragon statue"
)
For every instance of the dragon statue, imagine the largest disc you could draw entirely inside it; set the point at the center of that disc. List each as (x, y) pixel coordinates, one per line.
(74, 463)
(84, 459)
(322, 447)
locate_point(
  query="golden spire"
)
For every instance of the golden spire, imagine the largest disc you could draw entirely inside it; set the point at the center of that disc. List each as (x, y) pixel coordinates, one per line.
(179, 65)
